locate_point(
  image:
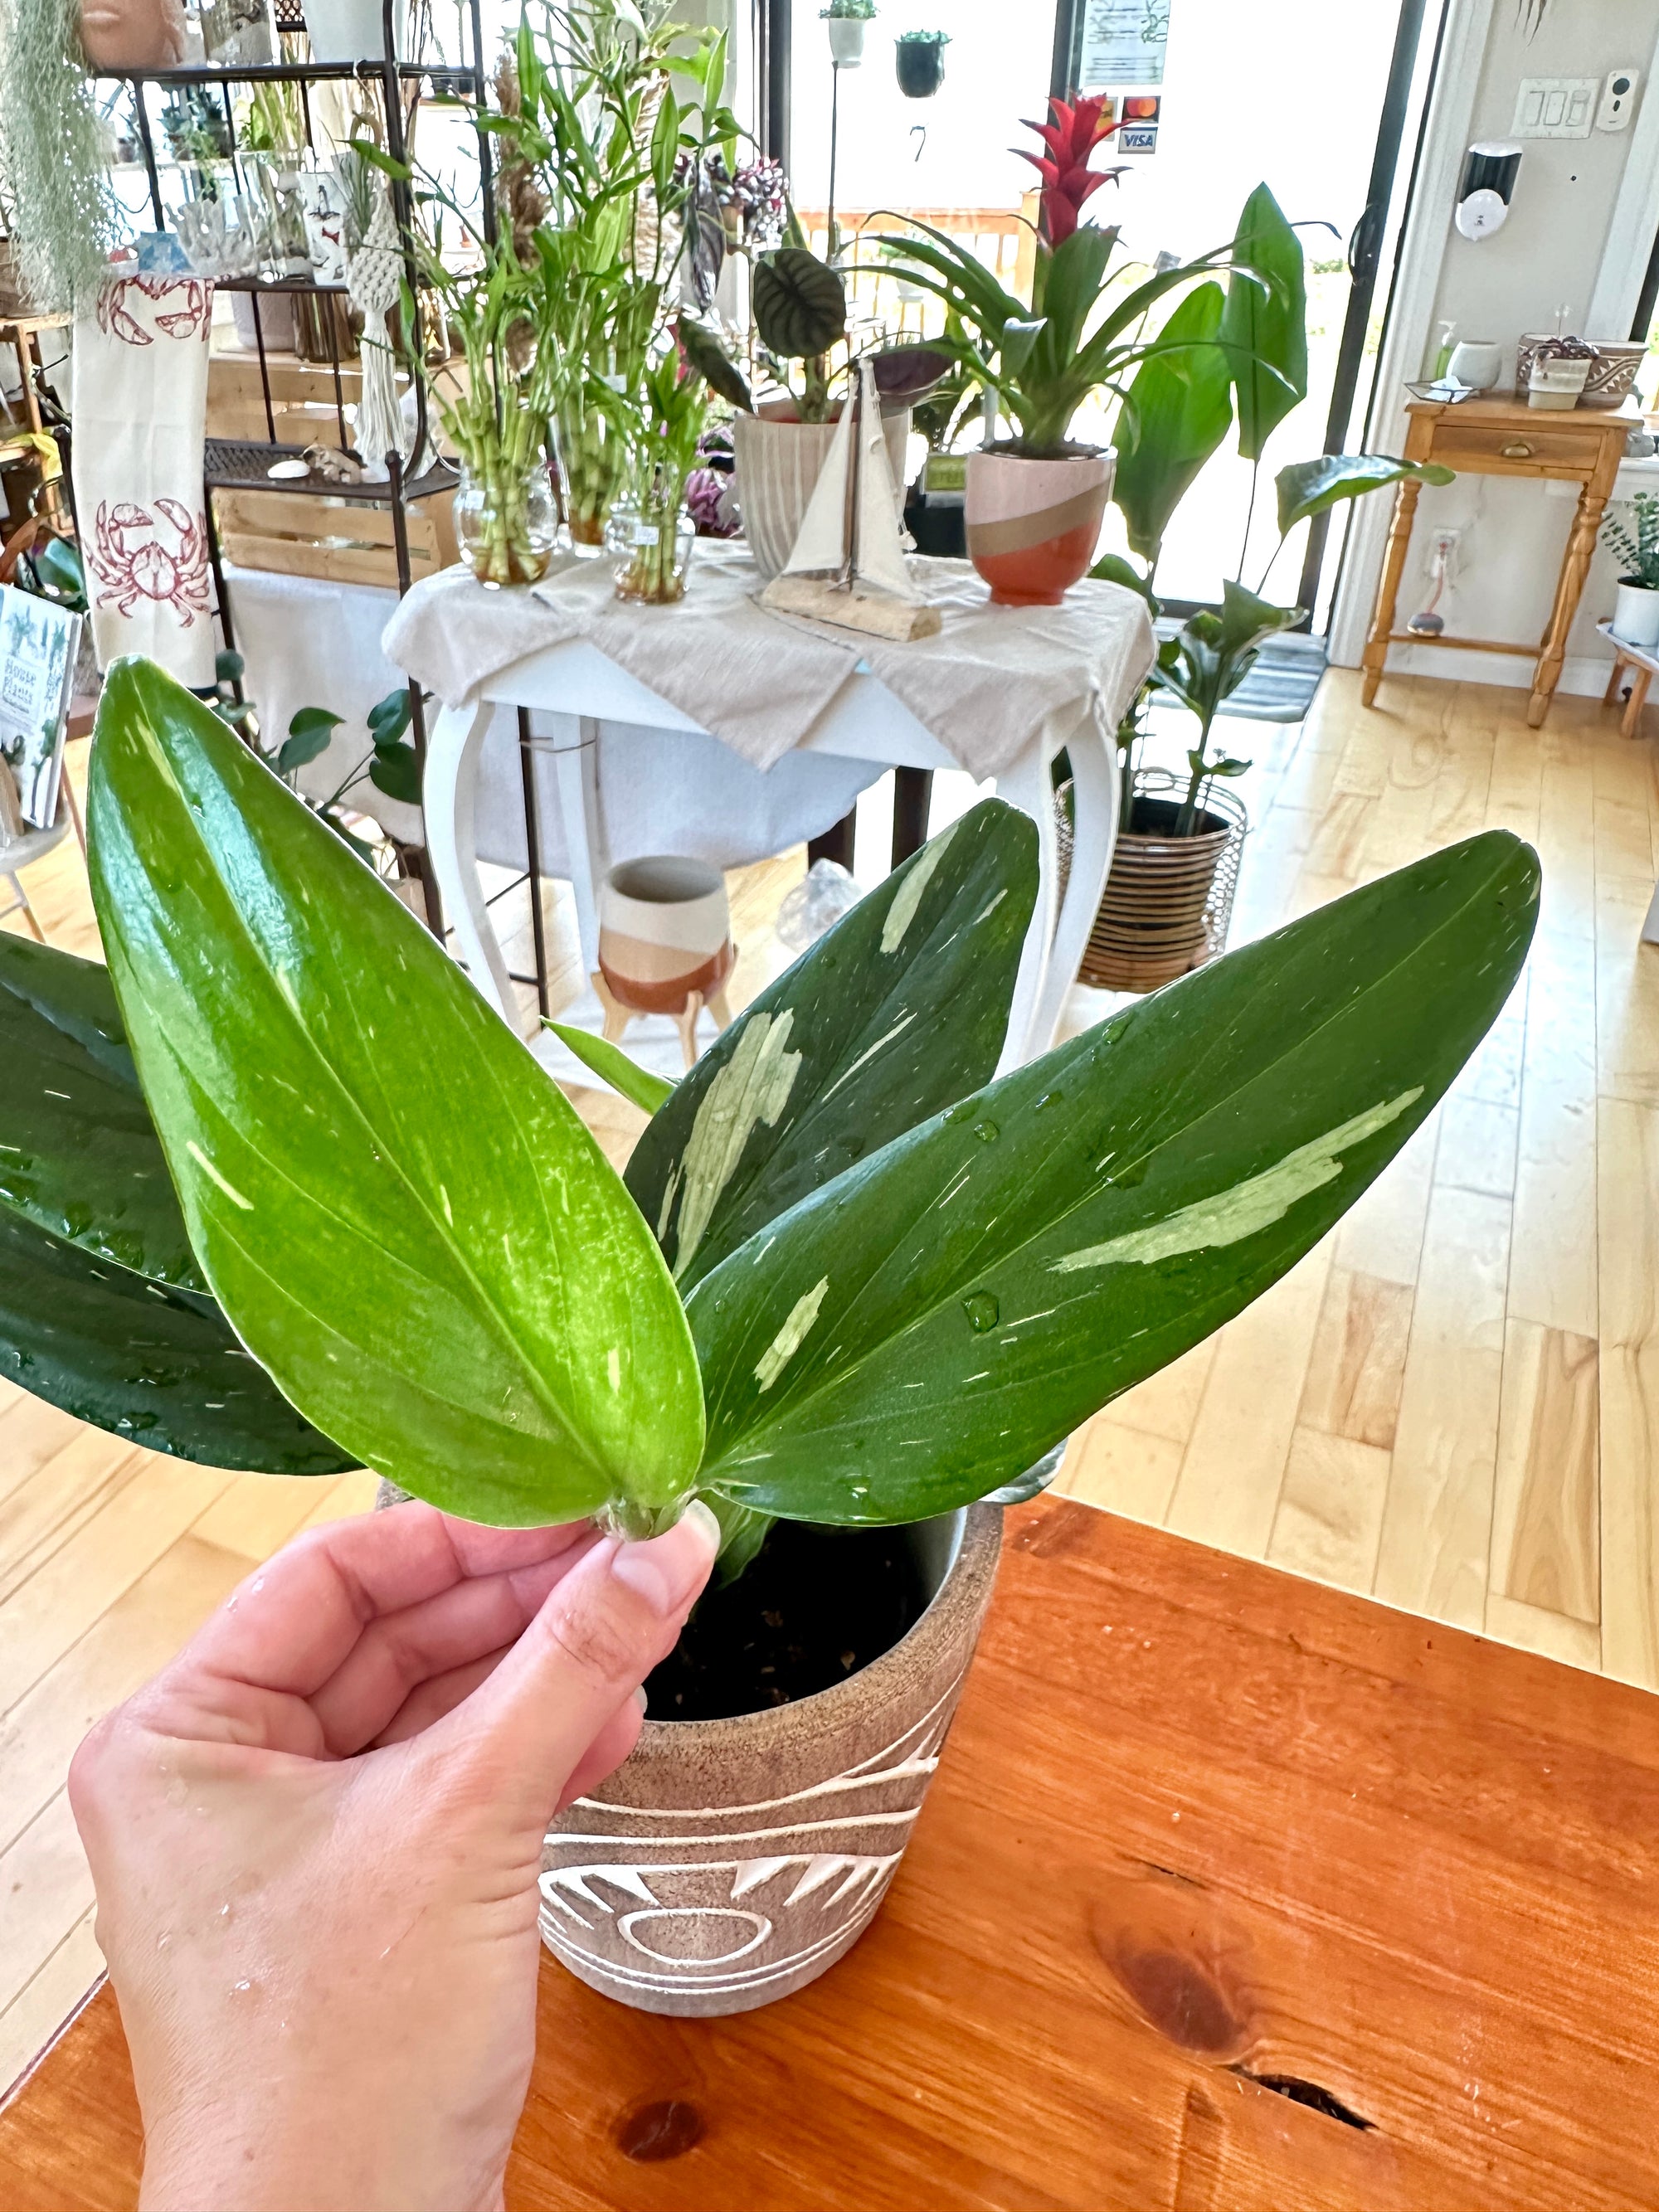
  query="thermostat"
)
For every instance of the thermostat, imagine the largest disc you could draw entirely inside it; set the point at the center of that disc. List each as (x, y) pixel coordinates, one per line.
(1618, 98)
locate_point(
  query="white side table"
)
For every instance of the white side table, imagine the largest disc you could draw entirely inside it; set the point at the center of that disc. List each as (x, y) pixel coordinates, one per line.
(583, 686)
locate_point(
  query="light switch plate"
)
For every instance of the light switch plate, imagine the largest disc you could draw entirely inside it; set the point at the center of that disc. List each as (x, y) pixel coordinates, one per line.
(1618, 100)
(1556, 106)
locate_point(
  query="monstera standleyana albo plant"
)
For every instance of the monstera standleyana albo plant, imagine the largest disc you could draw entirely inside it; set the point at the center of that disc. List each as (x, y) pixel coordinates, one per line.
(280, 1192)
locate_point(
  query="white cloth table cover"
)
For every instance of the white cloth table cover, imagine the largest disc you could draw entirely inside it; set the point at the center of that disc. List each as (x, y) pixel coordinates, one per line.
(984, 687)
(139, 410)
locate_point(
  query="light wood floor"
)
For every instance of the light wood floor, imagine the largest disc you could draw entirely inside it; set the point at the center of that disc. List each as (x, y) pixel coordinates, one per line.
(1449, 1403)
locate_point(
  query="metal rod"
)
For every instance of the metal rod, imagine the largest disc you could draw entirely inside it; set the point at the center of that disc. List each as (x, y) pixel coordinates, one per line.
(147, 145)
(264, 369)
(532, 845)
(219, 591)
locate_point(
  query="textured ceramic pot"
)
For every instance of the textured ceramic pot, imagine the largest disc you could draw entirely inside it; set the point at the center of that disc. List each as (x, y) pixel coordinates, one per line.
(664, 932)
(1033, 525)
(778, 461)
(727, 1864)
(1636, 615)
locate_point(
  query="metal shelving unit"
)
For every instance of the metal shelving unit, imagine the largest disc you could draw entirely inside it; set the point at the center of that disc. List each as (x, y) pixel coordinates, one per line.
(243, 465)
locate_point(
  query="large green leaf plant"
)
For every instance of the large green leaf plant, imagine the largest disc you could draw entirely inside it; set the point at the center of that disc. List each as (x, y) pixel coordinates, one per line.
(278, 1191)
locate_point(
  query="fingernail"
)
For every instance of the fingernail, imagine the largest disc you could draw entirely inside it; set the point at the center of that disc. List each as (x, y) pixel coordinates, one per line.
(641, 1700)
(667, 1570)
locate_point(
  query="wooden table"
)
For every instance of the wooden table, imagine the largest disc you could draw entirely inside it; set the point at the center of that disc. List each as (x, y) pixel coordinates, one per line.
(1234, 1894)
(1506, 438)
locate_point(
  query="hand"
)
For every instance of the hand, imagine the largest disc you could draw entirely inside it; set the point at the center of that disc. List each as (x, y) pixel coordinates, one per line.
(315, 1839)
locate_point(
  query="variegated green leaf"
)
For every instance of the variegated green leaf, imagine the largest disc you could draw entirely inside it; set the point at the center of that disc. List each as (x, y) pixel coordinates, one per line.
(157, 1365)
(902, 1007)
(79, 1155)
(400, 1213)
(920, 1330)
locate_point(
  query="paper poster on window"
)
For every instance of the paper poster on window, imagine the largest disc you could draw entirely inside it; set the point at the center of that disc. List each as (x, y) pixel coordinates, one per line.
(1123, 42)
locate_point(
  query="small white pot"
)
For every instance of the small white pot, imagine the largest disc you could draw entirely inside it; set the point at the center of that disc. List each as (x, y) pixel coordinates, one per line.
(847, 40)
(1558, 383)
(355, 30)
(1636, 617)
(1475, 362)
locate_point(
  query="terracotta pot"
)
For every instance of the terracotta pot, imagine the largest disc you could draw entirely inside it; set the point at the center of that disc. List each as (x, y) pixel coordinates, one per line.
(729, 1863)
(665, 933)
(132, 35)
(778, 460)
(1033, 525)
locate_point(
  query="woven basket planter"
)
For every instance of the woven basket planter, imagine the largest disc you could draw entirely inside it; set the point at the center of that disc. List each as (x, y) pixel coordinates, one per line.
(1168, 899)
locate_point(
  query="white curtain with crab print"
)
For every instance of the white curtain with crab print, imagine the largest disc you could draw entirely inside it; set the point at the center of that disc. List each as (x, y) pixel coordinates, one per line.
(141, 370)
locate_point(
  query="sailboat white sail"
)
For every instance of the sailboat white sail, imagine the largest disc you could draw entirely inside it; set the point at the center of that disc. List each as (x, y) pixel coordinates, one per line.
(846, 565)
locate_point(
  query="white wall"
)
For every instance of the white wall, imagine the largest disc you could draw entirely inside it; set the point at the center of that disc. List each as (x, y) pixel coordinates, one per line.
(1550, 253)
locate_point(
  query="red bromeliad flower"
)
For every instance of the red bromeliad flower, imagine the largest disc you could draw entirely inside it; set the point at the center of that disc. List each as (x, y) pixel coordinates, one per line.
(1070, 135)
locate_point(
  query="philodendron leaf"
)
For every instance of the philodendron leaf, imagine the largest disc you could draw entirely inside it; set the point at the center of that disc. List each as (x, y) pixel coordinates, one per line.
(922, 1330)
(897, 1009)
(401, 1214)
(615, 1067)
(157, 1365)
(1308, 487)
(79, 1155)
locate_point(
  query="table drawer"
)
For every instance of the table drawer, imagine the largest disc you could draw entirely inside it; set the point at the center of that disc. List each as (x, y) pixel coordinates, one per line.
(1471, 444)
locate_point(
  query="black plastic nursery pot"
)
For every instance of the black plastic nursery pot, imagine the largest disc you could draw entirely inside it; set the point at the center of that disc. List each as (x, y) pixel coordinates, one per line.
(920, 65)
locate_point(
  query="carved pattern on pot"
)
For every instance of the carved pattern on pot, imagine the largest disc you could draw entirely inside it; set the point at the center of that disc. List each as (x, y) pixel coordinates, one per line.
(683, 1884)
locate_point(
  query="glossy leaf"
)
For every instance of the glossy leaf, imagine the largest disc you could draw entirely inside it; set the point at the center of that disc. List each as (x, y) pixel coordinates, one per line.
(613, 1065)
(79, 1155)
(159, 1366)
(919, 1331)
(1174, 416)
(395, 770)
(906, 374)
(400, 1213)
(897, 1011)
(1266, 324)
(1308, 487)
(712, 362)
(390, 717)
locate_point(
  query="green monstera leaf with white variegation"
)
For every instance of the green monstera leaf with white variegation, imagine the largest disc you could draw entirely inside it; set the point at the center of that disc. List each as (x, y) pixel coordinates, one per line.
(923, 1328)
(902, 1007)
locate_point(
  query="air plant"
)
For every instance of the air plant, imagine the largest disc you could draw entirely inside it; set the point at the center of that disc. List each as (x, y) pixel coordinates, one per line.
(60, 212)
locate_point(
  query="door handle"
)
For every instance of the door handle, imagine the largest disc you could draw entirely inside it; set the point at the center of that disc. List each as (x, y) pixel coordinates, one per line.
(1364, 241)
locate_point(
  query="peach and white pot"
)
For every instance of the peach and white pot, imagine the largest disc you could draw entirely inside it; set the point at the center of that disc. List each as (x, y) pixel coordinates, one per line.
(1033, 525)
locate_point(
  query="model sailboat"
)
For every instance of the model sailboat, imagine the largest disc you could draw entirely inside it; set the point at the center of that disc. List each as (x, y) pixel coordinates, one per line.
(847, 565)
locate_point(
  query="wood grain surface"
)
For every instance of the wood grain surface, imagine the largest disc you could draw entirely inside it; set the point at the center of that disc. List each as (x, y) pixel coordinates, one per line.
(1233, 1894)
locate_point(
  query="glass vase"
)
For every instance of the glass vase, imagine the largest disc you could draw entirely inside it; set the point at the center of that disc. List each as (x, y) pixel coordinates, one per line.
(649, 538)
(506, 521)
(593, 463)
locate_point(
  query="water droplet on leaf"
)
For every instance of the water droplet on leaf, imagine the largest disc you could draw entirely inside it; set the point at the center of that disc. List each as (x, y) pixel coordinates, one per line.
(986, 1132)
(982, 1311)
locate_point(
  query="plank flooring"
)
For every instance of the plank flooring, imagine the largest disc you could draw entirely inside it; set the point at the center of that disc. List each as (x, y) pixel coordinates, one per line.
(1453, 1403)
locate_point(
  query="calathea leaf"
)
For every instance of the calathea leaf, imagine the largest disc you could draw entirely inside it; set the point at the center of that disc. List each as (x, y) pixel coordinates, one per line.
(897, 1009)
(920, 1330)
(403, 1217)
(79, 1155)
(158, 1365)
(800, 303)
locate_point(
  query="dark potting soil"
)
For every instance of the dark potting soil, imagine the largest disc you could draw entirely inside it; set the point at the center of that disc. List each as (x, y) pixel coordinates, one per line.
(816, 1605)
(1157, 817)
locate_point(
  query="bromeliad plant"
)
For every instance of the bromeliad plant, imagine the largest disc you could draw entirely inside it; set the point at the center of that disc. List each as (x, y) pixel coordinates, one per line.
(278, 1191)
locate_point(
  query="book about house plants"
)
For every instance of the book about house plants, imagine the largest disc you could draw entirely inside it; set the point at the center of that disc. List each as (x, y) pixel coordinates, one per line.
(38, 646)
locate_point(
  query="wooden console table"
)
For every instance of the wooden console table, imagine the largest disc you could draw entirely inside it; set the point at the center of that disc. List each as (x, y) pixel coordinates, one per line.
(1233, 1894)
(1505, 437)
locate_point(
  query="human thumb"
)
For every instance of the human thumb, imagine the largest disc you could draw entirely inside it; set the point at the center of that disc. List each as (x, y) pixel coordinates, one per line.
(599, 1632)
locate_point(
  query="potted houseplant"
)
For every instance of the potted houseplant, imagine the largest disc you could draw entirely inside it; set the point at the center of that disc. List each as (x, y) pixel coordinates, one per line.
(650, 534)
(799, 306)
(1034, 500)
(279, 1191)
(919, 59)
(61, 215)
(1636, 613)
(846, 20)
(1239, 353)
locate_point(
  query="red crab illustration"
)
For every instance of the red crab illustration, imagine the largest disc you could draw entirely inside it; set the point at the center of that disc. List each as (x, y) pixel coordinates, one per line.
(191, 318)
(131, 562)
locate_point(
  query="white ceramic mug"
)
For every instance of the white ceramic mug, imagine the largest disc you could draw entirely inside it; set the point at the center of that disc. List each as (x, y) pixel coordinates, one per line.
(1475, 362)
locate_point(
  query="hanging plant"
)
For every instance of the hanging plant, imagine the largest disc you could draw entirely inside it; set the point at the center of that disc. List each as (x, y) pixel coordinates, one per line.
(62, 218)
(919, 59)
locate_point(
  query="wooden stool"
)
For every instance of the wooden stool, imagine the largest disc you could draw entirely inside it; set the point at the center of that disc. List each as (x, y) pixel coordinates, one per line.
(1642, 662)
